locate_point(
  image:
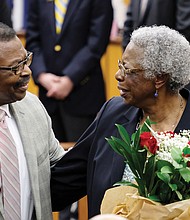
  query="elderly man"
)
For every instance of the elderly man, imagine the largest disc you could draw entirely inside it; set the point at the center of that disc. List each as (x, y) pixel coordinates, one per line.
(28, 147)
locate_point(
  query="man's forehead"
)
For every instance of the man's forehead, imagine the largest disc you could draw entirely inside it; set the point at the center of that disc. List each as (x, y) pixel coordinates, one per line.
(13, 46)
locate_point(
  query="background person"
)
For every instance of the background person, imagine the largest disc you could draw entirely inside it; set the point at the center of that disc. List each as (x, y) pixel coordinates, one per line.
(30, 126)
(5, 13)
(174, 14)
(66, 65)
(154, 68)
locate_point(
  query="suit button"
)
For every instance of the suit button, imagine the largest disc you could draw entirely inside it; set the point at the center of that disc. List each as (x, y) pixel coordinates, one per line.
(57, 48)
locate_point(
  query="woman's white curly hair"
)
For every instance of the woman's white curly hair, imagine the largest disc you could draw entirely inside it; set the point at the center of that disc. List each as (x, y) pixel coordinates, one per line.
(166, 51)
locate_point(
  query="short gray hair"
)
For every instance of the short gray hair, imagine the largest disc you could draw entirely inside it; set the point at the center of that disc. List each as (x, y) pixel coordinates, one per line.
(166, 51)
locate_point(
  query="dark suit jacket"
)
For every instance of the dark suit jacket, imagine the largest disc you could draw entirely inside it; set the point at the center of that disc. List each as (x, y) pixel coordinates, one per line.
(172, 13)
(5, 13)
(83, 40)
(92, 167)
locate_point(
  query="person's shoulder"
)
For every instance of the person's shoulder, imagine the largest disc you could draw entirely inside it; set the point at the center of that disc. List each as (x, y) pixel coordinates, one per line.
(117, 102)
(115, 106)
(31, 95)
(30, 100)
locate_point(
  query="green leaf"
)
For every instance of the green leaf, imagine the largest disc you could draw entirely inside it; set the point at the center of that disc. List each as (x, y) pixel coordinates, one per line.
(124, 134)
(177, 165)
(154, 198)
(166, 169)
(162, 163)
(141, 187)
(164, 177)
(114, 146)
(137, 160)
(121, 148)
(155, 187)
(144, 127)
(185, 173)
(179, 195)
(135, 139)
(186, 150)
(173, 187)
(149, 172)
(176, 154)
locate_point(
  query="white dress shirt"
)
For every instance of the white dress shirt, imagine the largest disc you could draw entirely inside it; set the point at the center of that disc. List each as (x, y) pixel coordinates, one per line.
(143, 7)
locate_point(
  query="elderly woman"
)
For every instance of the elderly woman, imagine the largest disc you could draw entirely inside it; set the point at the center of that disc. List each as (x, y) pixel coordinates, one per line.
(154, 68)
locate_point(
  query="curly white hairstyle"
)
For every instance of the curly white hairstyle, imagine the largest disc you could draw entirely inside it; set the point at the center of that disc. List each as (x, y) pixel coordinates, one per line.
(166, 51)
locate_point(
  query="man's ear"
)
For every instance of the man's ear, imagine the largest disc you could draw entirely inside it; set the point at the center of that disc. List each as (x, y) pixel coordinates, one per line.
(161, 80)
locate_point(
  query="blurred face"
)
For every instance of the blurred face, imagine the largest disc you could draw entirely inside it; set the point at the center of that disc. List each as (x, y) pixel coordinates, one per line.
(13, 84)
(133, 87)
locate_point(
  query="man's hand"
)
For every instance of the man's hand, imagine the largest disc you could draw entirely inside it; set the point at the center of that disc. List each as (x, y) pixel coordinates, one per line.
(58, 87)
(47, 80)
(61, 89)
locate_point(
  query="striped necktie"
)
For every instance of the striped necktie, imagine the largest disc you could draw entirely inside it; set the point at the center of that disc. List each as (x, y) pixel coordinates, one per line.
(10, 182)
(60, 11)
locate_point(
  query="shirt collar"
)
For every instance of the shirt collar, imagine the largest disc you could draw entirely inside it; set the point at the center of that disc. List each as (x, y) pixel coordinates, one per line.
(6, 109)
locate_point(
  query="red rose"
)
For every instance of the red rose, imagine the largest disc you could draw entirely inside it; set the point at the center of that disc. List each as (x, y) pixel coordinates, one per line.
(149, 141)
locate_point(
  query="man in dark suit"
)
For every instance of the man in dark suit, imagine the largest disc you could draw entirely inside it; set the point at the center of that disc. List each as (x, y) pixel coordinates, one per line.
(66, 66)
(5, 13)
(174, 14)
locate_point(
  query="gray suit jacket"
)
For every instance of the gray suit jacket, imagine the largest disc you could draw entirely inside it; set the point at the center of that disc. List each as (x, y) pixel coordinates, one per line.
(41, 149)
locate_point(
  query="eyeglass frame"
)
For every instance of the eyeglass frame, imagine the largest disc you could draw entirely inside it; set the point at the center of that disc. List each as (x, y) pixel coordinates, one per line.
(27, 61)
(127, 71)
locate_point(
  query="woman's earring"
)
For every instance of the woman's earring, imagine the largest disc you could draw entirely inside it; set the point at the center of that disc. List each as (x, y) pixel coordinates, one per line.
(156, 94)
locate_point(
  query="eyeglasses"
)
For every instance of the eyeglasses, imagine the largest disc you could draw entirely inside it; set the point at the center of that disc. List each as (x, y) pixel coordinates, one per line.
(20, 66)
(126, 71)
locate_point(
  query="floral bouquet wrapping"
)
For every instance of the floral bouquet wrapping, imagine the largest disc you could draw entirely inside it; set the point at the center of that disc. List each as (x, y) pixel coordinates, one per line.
(160, 163)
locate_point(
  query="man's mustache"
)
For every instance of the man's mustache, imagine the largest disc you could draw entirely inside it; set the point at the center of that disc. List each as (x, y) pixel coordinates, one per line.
(22, 82)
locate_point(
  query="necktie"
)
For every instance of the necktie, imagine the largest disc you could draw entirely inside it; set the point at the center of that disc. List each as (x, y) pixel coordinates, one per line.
(60, 11)
(10, 183)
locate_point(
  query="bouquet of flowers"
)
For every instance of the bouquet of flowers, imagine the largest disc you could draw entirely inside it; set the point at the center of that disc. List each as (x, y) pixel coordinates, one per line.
(159, 161)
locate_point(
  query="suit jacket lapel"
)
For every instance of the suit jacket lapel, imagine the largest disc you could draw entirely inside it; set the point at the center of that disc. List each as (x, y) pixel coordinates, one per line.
(51, 15)
(136, 12)
(146, 12)
(29, 150)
